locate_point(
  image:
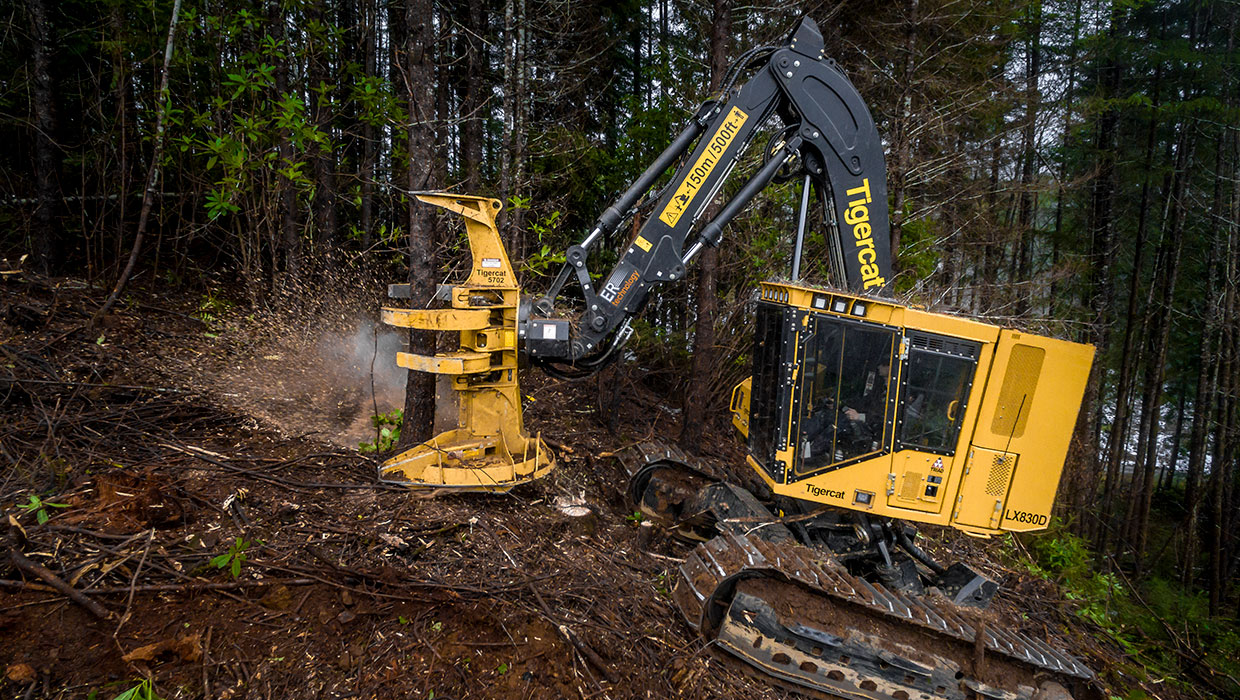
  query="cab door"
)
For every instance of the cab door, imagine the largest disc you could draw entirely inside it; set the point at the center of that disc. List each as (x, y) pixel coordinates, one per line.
(934, 388)
(842, 401)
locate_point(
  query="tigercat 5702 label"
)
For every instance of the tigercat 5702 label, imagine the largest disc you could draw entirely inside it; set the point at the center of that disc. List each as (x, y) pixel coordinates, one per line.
(497, 277)
(705, 165)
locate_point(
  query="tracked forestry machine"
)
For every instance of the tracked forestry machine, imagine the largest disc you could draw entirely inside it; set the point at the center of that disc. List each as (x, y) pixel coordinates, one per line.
(863, 417)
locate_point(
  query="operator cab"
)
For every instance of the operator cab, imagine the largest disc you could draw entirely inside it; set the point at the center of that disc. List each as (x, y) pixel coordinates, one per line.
(868, 405)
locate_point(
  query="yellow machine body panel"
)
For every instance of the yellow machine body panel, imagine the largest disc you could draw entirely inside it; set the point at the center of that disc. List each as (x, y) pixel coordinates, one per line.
(873, 406)
(1031, 411)
(740, 405)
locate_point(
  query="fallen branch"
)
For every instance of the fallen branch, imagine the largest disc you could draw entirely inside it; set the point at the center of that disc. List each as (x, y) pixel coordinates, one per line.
(166, 587)
(133, 580)
(1196, 660)
(198, 453)
(582, 648)
(29, 567)
(206, 651)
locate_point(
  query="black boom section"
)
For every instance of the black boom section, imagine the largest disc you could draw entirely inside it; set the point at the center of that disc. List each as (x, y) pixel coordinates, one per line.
(657, 254)
(827, 126)
(841, 139)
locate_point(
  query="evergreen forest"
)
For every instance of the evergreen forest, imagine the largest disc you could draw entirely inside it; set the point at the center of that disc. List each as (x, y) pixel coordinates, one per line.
(1071, 167)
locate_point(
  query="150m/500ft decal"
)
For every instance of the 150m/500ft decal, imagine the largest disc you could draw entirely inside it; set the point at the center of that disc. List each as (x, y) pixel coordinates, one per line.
(705, 165)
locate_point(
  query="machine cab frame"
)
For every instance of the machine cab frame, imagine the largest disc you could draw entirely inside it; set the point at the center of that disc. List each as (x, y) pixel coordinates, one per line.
(873, 406)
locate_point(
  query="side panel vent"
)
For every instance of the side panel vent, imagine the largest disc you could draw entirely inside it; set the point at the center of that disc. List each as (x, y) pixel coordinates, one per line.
(984, 488)
(1016, 396)
(938, 343)
(1000, 474)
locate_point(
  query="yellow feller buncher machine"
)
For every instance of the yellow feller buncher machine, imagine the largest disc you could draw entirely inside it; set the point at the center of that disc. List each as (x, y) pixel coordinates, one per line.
(862, 416)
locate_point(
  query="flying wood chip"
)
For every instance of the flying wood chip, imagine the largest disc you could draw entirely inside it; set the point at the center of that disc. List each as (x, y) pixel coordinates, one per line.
(20, 673)
(189, 648)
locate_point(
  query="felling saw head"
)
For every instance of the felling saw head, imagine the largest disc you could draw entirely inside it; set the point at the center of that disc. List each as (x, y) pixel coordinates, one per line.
(486, 447)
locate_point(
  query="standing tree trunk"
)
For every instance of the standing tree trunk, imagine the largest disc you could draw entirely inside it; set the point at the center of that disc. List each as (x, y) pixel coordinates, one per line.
(1151, 401)
(991, 254)
(45, 238)
(419, 415)
(1223, 461)
(1100, 290)
(1029, 134)
(512, 150)
(1168, 473)
(1224, 458)
(1207, 379)
(1130, 355)
(473, 93)
(1232, 523)
(324, 204)
(696, 402)
(1066, 139)
(366, 171)
(903, 133)
(152, 173)
(290, 241)
(121, 82)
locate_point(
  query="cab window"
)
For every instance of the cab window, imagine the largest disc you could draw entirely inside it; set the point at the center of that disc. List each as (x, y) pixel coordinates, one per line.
(844, 390)
(934, 389)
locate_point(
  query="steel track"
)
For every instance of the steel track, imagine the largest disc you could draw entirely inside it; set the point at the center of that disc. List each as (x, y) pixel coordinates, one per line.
(862, 640)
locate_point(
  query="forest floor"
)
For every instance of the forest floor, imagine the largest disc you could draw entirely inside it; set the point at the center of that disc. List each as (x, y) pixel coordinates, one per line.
(197, 468)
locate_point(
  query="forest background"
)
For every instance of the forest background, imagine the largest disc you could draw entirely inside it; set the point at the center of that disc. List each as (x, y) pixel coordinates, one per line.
(1070, 166)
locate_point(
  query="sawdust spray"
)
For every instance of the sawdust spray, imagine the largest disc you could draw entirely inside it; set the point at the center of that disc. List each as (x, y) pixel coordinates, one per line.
(312, 360)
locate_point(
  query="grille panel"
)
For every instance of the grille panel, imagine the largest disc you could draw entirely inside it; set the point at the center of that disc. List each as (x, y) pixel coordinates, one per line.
(1016, 395)
(1000, 473)
(938, 343)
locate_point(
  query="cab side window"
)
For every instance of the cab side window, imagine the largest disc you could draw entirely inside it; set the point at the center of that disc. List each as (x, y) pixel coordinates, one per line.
(934, 390)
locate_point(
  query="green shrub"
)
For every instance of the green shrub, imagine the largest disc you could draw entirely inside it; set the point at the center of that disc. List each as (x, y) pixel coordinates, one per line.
(1065, 558)
(1136, 620)
(388, 427)
(144, 690)
(233, 558)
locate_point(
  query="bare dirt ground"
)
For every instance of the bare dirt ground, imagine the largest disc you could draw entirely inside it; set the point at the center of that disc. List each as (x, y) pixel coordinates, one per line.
(172, 453)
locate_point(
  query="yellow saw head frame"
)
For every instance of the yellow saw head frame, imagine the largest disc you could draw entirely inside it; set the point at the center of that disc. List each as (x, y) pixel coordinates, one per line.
(487, 448)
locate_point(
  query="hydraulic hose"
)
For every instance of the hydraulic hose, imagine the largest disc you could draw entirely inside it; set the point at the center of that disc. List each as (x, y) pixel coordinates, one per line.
(917, 552)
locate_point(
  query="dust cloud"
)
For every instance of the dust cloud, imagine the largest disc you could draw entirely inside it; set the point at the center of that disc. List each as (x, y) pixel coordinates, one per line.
(314, 360)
